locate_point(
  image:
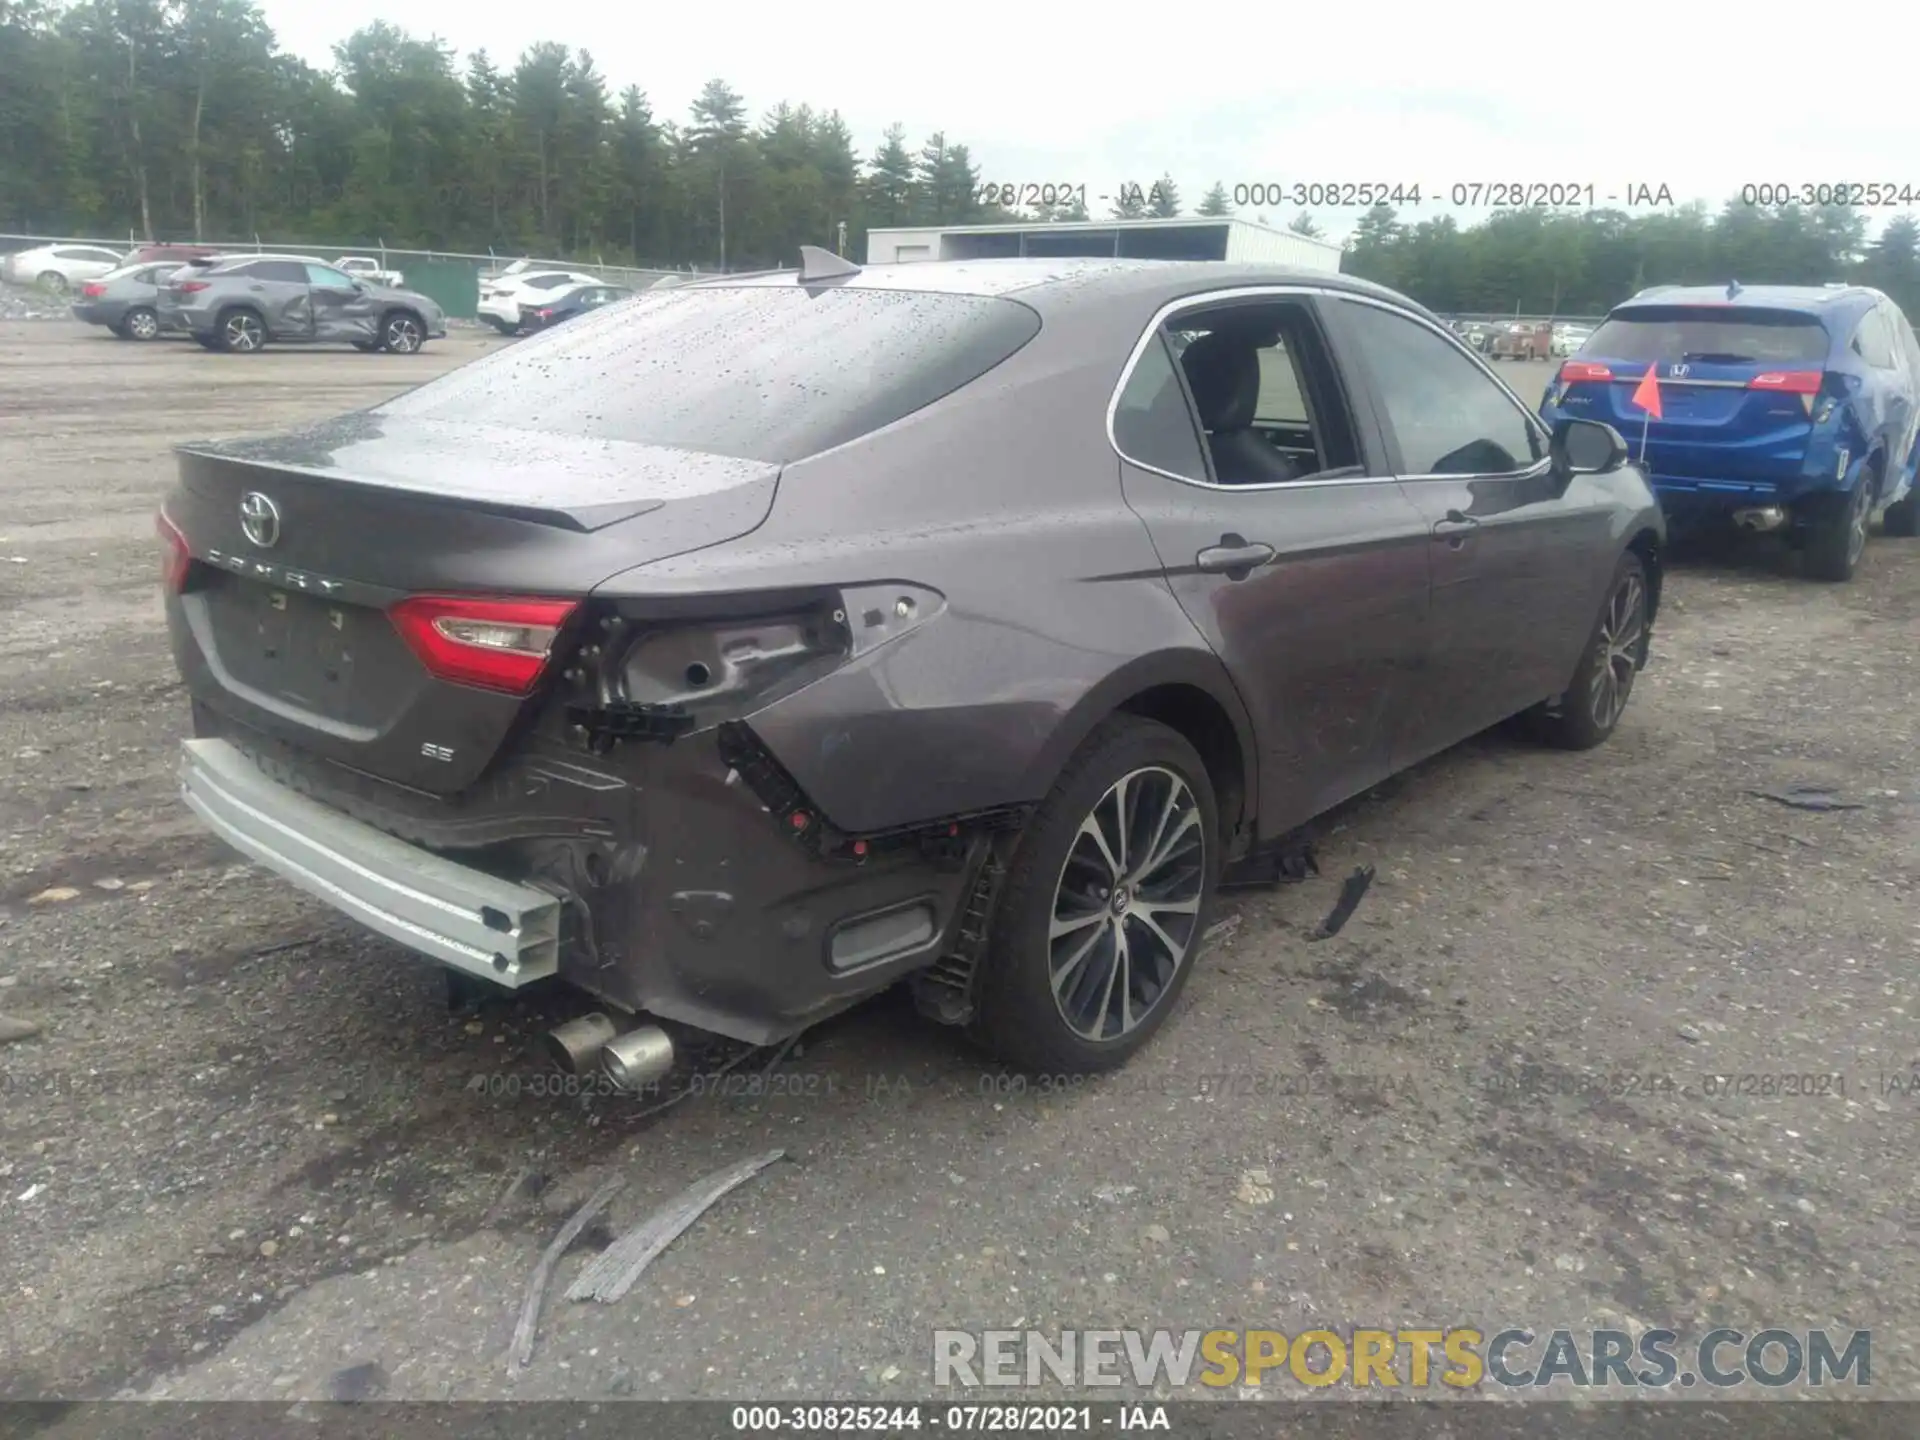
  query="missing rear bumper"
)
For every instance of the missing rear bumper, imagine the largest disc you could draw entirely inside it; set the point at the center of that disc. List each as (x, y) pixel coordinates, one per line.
(463, 917)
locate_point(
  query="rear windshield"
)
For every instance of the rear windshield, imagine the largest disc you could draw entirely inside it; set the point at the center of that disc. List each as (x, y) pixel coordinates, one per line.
(754, 372)
(1718, 334)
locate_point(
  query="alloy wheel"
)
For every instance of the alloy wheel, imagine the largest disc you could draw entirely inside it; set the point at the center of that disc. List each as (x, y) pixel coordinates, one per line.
(1623, 630)
(143, 325)
(244, 334)
(403, 335)
(1126, 909)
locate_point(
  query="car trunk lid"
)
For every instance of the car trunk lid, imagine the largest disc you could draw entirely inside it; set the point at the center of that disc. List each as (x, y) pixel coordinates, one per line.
(297, 624)
(1739, 388)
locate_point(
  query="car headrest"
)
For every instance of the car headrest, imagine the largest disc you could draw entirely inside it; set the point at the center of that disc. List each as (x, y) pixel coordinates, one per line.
(1223, 370)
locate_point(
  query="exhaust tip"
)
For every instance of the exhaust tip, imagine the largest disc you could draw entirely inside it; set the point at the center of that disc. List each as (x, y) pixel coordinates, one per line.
(1765, 517)
(575, 1045)
(638, 1058)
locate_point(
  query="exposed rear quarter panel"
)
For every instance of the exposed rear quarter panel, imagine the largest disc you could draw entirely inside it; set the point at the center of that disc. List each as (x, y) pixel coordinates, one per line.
(1005, 499)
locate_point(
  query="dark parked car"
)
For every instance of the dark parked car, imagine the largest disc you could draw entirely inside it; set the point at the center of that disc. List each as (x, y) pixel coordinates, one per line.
(740, 650)
(127, 300)
(569, 304)
(1792, 408)
(244, 302)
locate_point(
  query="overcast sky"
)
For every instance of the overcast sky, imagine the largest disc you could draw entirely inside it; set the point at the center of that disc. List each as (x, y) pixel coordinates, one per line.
(1389, 91)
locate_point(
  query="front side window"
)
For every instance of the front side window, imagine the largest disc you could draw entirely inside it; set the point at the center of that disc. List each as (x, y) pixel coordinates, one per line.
(757, 372)
(1152, 423)
(1445, 414)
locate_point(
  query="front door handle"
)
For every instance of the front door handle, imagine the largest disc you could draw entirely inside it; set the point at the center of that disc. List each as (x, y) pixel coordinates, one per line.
(1233, 557)
(1455, 528)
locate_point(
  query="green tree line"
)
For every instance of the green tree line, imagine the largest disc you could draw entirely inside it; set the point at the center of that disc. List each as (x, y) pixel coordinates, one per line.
(183, 119)
(1554, 262)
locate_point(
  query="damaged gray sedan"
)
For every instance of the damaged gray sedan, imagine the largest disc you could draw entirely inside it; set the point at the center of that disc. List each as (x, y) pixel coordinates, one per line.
(243, 303)
(739, 650)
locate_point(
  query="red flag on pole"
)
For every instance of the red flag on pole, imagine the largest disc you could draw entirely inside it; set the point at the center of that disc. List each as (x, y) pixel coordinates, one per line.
(1647, 393)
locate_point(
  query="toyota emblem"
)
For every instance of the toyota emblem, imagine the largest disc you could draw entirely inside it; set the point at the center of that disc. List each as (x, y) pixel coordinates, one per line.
(260, 519)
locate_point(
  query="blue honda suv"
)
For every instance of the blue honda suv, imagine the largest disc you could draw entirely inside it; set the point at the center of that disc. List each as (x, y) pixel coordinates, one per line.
(1773, 407)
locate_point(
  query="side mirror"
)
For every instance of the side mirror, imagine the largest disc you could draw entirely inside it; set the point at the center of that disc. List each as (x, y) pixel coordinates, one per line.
(1585, 447)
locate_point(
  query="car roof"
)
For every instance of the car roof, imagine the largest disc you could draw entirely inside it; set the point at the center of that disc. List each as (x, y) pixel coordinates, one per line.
(232, 259)
(1815, 300)
(1042, 282)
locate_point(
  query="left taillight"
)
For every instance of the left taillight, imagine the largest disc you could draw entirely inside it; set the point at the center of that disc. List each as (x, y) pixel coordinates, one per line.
(176, 556)
(494, 644)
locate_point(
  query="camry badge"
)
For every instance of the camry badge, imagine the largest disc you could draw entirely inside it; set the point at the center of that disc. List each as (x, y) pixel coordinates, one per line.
(260, 519)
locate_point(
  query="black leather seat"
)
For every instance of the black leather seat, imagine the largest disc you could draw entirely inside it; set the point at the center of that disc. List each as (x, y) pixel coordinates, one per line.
(1223, 371)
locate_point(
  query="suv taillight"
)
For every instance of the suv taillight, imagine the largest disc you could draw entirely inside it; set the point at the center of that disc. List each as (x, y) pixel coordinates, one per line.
(493, 644)
(1584, 370)
(192, 287)
(176, 557)
(1788, 382)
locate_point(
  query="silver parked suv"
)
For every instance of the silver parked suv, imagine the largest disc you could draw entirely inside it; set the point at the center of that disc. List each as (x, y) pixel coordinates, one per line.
(240, 303)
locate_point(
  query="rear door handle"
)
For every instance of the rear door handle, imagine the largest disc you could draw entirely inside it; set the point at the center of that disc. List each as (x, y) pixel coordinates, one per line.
(1233, 557)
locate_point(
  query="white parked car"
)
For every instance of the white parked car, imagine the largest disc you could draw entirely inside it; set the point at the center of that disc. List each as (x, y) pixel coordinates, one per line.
(502, 295)
(1567, 339)
(365, 267)
(59, 267)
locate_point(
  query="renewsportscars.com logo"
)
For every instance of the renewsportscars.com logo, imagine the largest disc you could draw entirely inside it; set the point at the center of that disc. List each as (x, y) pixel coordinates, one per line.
(1456, 1357)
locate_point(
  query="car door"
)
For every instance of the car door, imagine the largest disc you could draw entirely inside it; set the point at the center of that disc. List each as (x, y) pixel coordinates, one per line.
(1312, 591)
(1888, 405)
(83, 262)
(278, 290)
(342, 308)
(1511, 552)
(1906, 457)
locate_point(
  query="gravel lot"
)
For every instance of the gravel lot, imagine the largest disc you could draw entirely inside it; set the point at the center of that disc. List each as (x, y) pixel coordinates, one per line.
(253, 1146)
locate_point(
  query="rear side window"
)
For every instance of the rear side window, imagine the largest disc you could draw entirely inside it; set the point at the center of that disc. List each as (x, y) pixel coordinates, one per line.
(290, 271)
(1718, 334)
(547, 282)
(1873, 343)
(1152, 422)
(755, 372)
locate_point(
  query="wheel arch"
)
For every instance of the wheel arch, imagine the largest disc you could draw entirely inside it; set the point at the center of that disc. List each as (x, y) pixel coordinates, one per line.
(1646, 544)
(1190, 693)
(238, 307)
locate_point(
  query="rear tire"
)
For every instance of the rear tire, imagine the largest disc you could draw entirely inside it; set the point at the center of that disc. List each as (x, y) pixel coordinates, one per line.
(53, 282)
(1837, 538)
(501, 325)
(240, 331)
(1591, 709)
(139, 323)
(1104, 906)
(1902, 519)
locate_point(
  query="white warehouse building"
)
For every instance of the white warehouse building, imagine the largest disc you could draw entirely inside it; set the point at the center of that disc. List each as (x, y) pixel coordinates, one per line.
(1182, 238)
